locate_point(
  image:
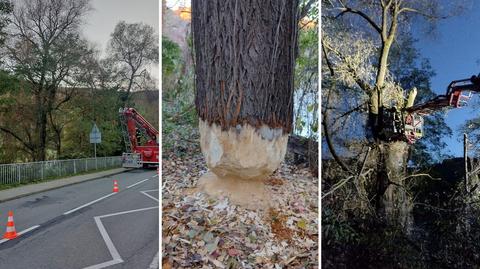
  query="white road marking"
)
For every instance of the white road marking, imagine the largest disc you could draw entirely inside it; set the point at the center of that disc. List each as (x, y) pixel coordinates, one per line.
(108, 241)
(103, 265)
(126, 212)
(111, 248)
(145, 193)
(155, 176)
(135, 184)
(28, 230)
(90, 203)
(22, 232)
(155, 264)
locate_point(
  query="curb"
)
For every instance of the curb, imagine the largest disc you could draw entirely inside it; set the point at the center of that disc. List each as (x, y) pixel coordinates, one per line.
(63, 185)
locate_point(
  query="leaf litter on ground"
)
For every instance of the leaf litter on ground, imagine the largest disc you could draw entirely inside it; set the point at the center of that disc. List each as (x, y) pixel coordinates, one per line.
(203, 232)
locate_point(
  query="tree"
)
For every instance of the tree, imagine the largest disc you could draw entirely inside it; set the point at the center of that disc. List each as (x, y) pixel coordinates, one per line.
(245, 56)
(357, 45)
(133, 47)
(45, 50)
(244, 67)
(6, 8)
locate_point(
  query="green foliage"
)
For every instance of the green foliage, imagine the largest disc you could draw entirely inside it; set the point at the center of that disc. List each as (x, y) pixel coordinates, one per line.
(9, 84)
(334, 229)
(179, 118)
(80, 115)
(306, 83)
(171, 57)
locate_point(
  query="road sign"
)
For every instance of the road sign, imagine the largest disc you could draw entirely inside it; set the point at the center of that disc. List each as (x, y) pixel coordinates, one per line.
(95, 135)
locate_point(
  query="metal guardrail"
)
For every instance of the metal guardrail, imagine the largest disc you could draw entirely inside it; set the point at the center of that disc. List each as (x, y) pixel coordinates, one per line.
(34, 171)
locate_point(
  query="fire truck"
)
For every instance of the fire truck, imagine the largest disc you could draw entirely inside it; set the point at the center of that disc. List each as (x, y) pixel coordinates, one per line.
(141, 140)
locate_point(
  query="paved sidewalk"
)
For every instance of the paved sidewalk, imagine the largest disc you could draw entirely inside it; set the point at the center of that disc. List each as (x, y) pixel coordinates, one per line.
(17, 192)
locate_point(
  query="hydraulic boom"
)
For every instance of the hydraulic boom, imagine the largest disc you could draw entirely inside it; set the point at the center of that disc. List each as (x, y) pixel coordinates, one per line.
(407, 124)
(141, 139)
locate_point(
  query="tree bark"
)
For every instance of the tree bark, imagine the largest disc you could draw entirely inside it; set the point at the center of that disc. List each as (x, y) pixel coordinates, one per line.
(245, 56)
(41, 125)
(393, 201)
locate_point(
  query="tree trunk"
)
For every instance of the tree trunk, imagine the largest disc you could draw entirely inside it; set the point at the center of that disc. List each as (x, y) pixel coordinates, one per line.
(393, 201)
(245, 62)
(41, 126)
(42, 141)
(58, 144)
(244, 65)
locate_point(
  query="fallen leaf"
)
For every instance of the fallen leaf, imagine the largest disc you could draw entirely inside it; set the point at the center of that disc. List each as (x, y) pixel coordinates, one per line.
(274, 182)
(208, 237)
(211, 248)
(217, 263)
(302, 224)
(166, 264)
(192, 233)
(233, 252)
(277, 224)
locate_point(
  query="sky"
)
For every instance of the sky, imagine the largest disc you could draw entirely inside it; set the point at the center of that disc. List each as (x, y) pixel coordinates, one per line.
(101, 21)
(177, 3)
(455, 54)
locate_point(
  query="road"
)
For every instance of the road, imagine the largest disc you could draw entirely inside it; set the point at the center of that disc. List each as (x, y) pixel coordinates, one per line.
(86, 226)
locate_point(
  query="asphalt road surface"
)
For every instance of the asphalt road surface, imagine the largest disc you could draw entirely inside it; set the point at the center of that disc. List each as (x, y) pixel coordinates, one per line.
(86, 226)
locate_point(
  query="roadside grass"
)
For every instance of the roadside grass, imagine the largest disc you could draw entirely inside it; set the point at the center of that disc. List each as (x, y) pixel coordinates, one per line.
(15, 185)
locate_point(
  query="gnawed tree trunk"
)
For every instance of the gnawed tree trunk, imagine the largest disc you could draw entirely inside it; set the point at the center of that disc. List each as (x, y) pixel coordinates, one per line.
(393, 201)
(391, 198)
(245, 56)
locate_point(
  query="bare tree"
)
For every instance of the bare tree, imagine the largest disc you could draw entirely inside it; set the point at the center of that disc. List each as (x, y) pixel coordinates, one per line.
(6, 8)
(133, 47)
(45, 49)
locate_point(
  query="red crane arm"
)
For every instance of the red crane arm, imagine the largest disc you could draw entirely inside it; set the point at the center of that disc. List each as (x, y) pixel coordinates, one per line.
(134, 121)
(457, 95)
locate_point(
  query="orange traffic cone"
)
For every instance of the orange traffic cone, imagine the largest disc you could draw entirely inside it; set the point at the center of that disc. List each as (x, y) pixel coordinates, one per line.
(115, 186)
(10, 233)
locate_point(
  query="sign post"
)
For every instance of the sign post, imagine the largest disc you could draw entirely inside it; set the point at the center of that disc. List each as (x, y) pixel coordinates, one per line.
(95, 138)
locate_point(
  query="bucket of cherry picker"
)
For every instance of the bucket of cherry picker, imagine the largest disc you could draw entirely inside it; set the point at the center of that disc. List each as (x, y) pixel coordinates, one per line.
(460, 98)
(413, 127)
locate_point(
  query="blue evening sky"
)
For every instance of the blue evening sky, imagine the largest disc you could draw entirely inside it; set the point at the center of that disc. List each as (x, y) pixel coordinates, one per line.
(454, 54)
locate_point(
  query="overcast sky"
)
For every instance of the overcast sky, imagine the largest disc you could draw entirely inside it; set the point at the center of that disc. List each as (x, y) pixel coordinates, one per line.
(177, 3)
(107, 13)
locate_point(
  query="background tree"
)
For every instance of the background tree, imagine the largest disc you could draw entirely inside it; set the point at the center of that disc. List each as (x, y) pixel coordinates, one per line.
(133, 47)
(6, 8)
(44, 49)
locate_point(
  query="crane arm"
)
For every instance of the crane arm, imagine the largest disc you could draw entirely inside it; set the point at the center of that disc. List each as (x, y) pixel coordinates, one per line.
(457, 95)
(134, 122)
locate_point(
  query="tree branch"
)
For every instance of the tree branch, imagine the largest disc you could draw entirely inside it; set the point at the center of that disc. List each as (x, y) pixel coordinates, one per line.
(306, 8)
(360, 82)
(328, 138)
(358, 108)
(27, 145)
(361, 14)
(407, 9)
